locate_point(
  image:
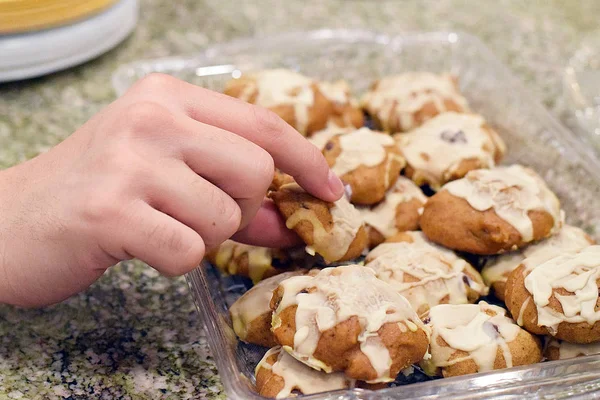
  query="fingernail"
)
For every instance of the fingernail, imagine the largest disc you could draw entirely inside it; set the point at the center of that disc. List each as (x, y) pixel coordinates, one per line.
(335, 184)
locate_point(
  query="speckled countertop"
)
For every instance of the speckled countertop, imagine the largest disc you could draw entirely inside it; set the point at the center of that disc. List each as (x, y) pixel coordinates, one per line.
(135, 334)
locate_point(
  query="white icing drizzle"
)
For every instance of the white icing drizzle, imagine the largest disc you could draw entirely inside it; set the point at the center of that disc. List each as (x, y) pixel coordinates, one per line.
(436, 149)
(337, 92)
(575, 272)
(398, 98)
(336, 295)
(439, 273)
(571, 350)
(511, 192)
(382, 216)
(471, 328)
(255, 302)
(320, 138)
(362, 147)
(259, 258)
(333, 244)
(568, 238)
(277, 87)
(297, 376)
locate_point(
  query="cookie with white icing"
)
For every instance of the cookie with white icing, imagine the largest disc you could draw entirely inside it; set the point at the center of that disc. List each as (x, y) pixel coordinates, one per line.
(251, 313)
(496, 270)
(424, 273)
(333, 230)
(279, 375)
(368, 161)
(256, 263)
(279, 179)
(399, 211)
(559, 296)
(491, 211)
(400, 103)
(561, 350)
(345, 319)
(302, 102)
(471, 338)
(448, 146)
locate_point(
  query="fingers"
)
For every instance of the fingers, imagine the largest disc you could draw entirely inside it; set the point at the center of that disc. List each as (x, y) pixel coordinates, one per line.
(179, 192)
(162, 242)
(267, 229)
(290, 151)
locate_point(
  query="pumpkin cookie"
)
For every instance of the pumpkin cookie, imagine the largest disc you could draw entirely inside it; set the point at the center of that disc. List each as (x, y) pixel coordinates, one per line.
(403, 102)
(448, 146)
(560, 350)
(345, 319)
(424, 273)
(492, 211)
(471, 338)
(333, 230)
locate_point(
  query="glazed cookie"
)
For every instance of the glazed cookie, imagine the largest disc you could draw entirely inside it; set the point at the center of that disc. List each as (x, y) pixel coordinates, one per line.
(304, 103)
(368, 161)
(559, 350)
(471, 338)
(345, 319)
(333, 230)
(399, 211)
(559, 296)
(492, 211)
(251, 313)
(424, 273)
(320, 139)
(448, 146)
(256, 263)
(279, 375)
(280, 179)
(403, 102)
(496, 270)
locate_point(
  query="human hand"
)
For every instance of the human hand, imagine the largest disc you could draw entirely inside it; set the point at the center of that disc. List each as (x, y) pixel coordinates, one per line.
(162, 174)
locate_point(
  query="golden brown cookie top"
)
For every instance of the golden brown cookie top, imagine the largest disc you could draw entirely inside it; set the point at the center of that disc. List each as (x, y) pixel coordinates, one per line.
(572, 278)
(362, 147)
(511, 192)
(477, 329)
(382, 216)
(404, 95)
(566, 239)
(436, 149)
(571, 350)
(334, 295)
(260, 259)
(298, 376)
(425, 273)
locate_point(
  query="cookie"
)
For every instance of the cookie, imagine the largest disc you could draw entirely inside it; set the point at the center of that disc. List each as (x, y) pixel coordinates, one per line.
(448, 146)
(403, 102)
(280, 179)
(279, 375)
(333, 230)
(304, 103)
(320, 138)
(251, 313)
(492, 211)
(399, 211)
(368, 161)
(256, 263)
(558, 297)
(496, 270)
(471, 338)
(560, 350)
(424, 273)
(345, 319)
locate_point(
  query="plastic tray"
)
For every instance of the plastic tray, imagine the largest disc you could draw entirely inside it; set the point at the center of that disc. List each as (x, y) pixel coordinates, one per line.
(533, 136)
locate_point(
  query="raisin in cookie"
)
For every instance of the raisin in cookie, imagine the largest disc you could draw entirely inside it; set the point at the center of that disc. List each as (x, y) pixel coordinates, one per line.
(448, 146)
(403, 102)
(345, 319)
(496, 270)
(471, 338)
(424, 273)
(492, 211)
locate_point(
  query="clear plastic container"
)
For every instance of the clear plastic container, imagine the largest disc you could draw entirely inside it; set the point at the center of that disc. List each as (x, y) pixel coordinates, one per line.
(533, 136)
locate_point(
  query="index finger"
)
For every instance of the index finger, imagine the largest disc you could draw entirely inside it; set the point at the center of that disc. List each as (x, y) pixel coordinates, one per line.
(291, 152)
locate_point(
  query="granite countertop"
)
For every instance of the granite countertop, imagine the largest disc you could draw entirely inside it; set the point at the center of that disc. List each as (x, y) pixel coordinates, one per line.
(135, 334)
